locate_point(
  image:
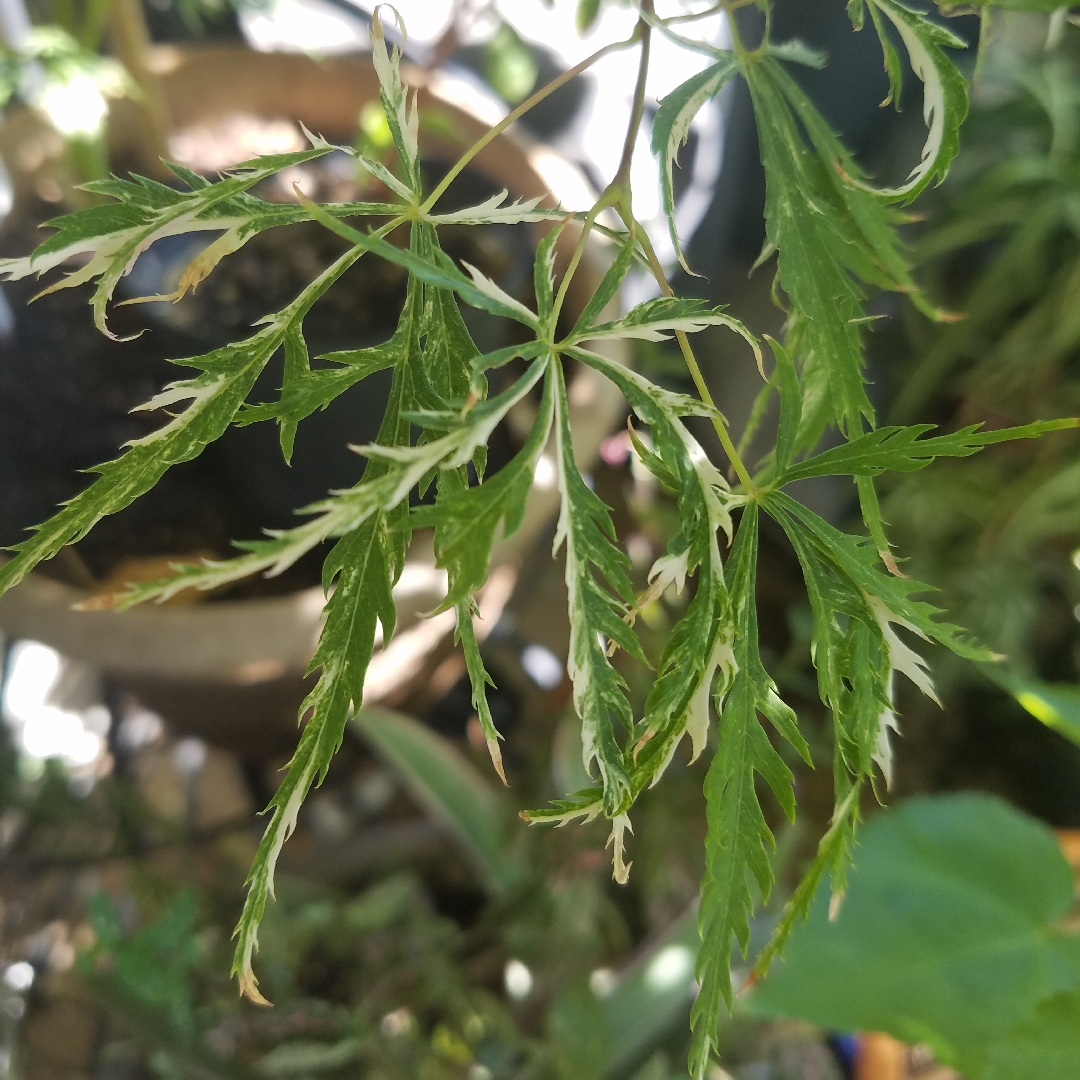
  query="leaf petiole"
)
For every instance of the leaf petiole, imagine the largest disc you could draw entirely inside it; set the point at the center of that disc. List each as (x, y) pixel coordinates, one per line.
(515, 114)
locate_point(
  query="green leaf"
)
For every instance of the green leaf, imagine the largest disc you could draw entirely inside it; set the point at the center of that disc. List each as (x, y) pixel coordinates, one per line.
(856, 653)
(739, 840)
(596, 614)
(951, 899)
(544, 278)
(671, 128)
(477, 290)
(401, 468)
(902, 450)
(656, 320)
(400, 113)
(467, 520)
(364, 565)
(215, 396)
(1046, 1046)
(834, 852)
(856, 560)
(945, 97)
(790, 407)
(891, 57)
(297, 367)
(700, 644)
(358, 576)
(479, 680)
(116, 233)
(818, 242)
(874, 522)
(445, 784)
(313, 390)
(608, 288)
(854, 661)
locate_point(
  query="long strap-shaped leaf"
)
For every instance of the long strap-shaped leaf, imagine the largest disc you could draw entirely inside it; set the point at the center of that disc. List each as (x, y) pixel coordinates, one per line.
(739, 839)
(595, 613)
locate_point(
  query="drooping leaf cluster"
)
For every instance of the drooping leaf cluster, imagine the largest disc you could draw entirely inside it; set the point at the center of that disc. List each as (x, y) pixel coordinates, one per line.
(835, 237)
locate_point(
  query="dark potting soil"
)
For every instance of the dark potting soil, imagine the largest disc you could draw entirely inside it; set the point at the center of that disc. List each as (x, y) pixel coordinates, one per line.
(66, 391)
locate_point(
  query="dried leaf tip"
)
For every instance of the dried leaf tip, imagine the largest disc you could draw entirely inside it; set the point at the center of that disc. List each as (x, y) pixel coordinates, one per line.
(249, 988)
(890, 564)
(620, 868)
(496, 760)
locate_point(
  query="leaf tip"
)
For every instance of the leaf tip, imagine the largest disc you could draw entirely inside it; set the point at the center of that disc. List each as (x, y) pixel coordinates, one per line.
(496, 760)
(99, 602)
(886, 557)
(249, 988)
(836, 903)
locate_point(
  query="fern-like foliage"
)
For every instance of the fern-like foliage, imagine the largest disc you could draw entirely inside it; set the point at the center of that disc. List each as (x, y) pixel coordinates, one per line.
(836, 238)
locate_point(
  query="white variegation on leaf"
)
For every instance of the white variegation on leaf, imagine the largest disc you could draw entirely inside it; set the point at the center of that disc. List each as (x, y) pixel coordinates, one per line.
(670, 402)
(620, 868)
(671, 128)
(282, 826)
(458, 447)
(199, 392)
(229, 373)
(201, 266)
(721, 661)
(901, 657)
(883, 752)
(401, 113)
(500, 295)
(493, 211)
(657, 320)
(335, 516)
(596, 614)
(563, 813)
(158, 211)
(668, 570)
(345, 510)
(945, 96)
(385, 176)
(713, 501)
(904, 659)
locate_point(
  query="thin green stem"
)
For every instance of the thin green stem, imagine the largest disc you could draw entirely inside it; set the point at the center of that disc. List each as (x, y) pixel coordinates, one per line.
(718, 423)
(617, 193)
(575, 259)
(622, 175)
(737, 46)
(516, 114)
(723, 5)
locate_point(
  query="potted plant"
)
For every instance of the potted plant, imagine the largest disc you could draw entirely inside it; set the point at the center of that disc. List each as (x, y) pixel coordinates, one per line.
(834, 235)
